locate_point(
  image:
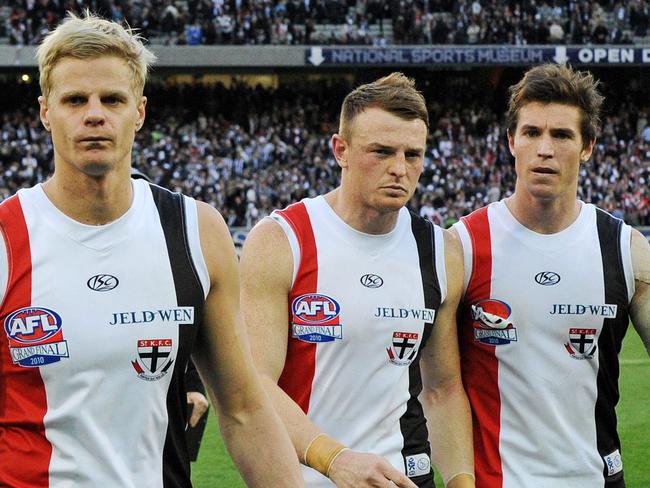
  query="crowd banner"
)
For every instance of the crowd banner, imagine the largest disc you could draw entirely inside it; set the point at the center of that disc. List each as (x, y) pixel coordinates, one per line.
(226, 57)
(428, 55)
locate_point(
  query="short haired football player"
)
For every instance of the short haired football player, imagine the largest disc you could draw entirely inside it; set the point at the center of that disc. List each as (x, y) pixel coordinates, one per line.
(346, 295)
(107, 284)
(551, 283)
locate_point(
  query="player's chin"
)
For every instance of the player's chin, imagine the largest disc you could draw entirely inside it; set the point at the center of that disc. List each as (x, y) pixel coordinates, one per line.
(97, 168)
(391, 204)
(543, 186)
(544, 192)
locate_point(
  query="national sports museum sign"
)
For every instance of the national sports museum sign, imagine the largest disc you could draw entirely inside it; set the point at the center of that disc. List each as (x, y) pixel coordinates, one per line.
(476, 55)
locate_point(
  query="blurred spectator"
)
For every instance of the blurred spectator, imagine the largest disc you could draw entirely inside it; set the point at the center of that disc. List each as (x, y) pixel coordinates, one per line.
(600, 34)
(556, 32)
(639, 17)
(304, 21)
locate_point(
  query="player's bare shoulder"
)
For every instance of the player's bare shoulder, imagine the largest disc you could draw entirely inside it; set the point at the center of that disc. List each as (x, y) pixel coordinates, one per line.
(266, 254)
(209, 218)
(640, 305)
(216, 243)
(453, 259)
(267, 233)
(453, 247)
(640, 257)
(266, 238)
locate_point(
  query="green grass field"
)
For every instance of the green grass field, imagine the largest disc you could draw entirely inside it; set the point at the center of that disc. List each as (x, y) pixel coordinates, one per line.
(214, 469)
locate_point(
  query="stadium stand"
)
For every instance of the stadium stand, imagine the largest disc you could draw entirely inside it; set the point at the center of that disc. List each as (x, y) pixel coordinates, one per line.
(205, 140)
(369, 22)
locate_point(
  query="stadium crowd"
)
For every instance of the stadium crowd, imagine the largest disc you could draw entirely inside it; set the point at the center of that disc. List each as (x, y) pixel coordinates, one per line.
(205, 140)
(194, 22)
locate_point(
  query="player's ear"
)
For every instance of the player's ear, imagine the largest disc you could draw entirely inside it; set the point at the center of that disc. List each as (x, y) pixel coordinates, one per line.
(43, 112)
(585, 154)
(340, 150)
(511, 142)
(141, 113)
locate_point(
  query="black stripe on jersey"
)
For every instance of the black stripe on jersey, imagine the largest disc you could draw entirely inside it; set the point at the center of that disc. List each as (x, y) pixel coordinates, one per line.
(610, 341)
(189, 293)
(413, 423)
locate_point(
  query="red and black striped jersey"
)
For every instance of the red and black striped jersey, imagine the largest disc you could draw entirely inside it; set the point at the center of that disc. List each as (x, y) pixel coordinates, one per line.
(361, 308)
(541, 326)
(98, 325)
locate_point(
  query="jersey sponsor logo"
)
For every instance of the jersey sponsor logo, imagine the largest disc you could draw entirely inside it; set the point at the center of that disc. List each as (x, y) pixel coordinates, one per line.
(154, 358)
(102, 282)
(371, 280)
(492, 325)
(35, 337)
(426, 314)
(178, 316)
(417, 465)
(547, 278)
(614, 463)
(599, 310)
(315, 318)
(582, 343)
(403, 348)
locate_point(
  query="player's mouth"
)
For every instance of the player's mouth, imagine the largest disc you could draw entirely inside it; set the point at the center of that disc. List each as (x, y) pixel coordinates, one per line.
(95, 139)
(395, 188)
(544, 170)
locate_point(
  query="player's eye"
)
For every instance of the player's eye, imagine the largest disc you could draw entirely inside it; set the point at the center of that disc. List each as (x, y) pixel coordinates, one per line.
(113, 100)
(74, 100)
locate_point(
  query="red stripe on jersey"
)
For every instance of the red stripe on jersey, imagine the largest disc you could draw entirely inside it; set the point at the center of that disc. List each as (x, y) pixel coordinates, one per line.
(24, 449)
(300, 364)
(479, 364)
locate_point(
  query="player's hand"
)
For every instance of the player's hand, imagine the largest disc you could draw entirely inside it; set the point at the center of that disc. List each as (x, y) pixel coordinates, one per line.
(361, 470)
(199, 406)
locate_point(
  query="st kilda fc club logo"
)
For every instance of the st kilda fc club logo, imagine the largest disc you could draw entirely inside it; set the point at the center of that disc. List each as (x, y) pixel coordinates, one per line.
(582, 343)
(154, 358)
(403, 349)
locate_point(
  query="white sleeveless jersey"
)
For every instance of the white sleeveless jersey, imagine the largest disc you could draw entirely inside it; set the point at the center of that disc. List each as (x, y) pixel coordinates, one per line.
(541, 327)
(361, 309)
(98, 324)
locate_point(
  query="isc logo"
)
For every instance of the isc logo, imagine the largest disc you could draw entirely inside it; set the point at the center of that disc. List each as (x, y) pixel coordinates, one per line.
(315, 308)
(32, 325)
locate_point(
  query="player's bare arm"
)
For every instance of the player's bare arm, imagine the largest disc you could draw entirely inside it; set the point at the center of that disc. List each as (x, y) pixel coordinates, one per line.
(640, 306)
(443, 396)
(266, 274)
(248, 423)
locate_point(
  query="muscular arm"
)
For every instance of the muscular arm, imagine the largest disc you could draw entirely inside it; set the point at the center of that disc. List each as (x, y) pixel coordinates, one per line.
(443, 396)
(266, 271)
(640, 305)
(252, 431)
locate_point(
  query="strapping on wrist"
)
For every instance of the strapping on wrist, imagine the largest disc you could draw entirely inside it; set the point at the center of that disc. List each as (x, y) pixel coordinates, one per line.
(463, 475)
(321, 453)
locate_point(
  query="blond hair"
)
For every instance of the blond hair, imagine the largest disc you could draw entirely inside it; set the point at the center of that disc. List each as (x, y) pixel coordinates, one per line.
(90, 37)
(395, 93)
